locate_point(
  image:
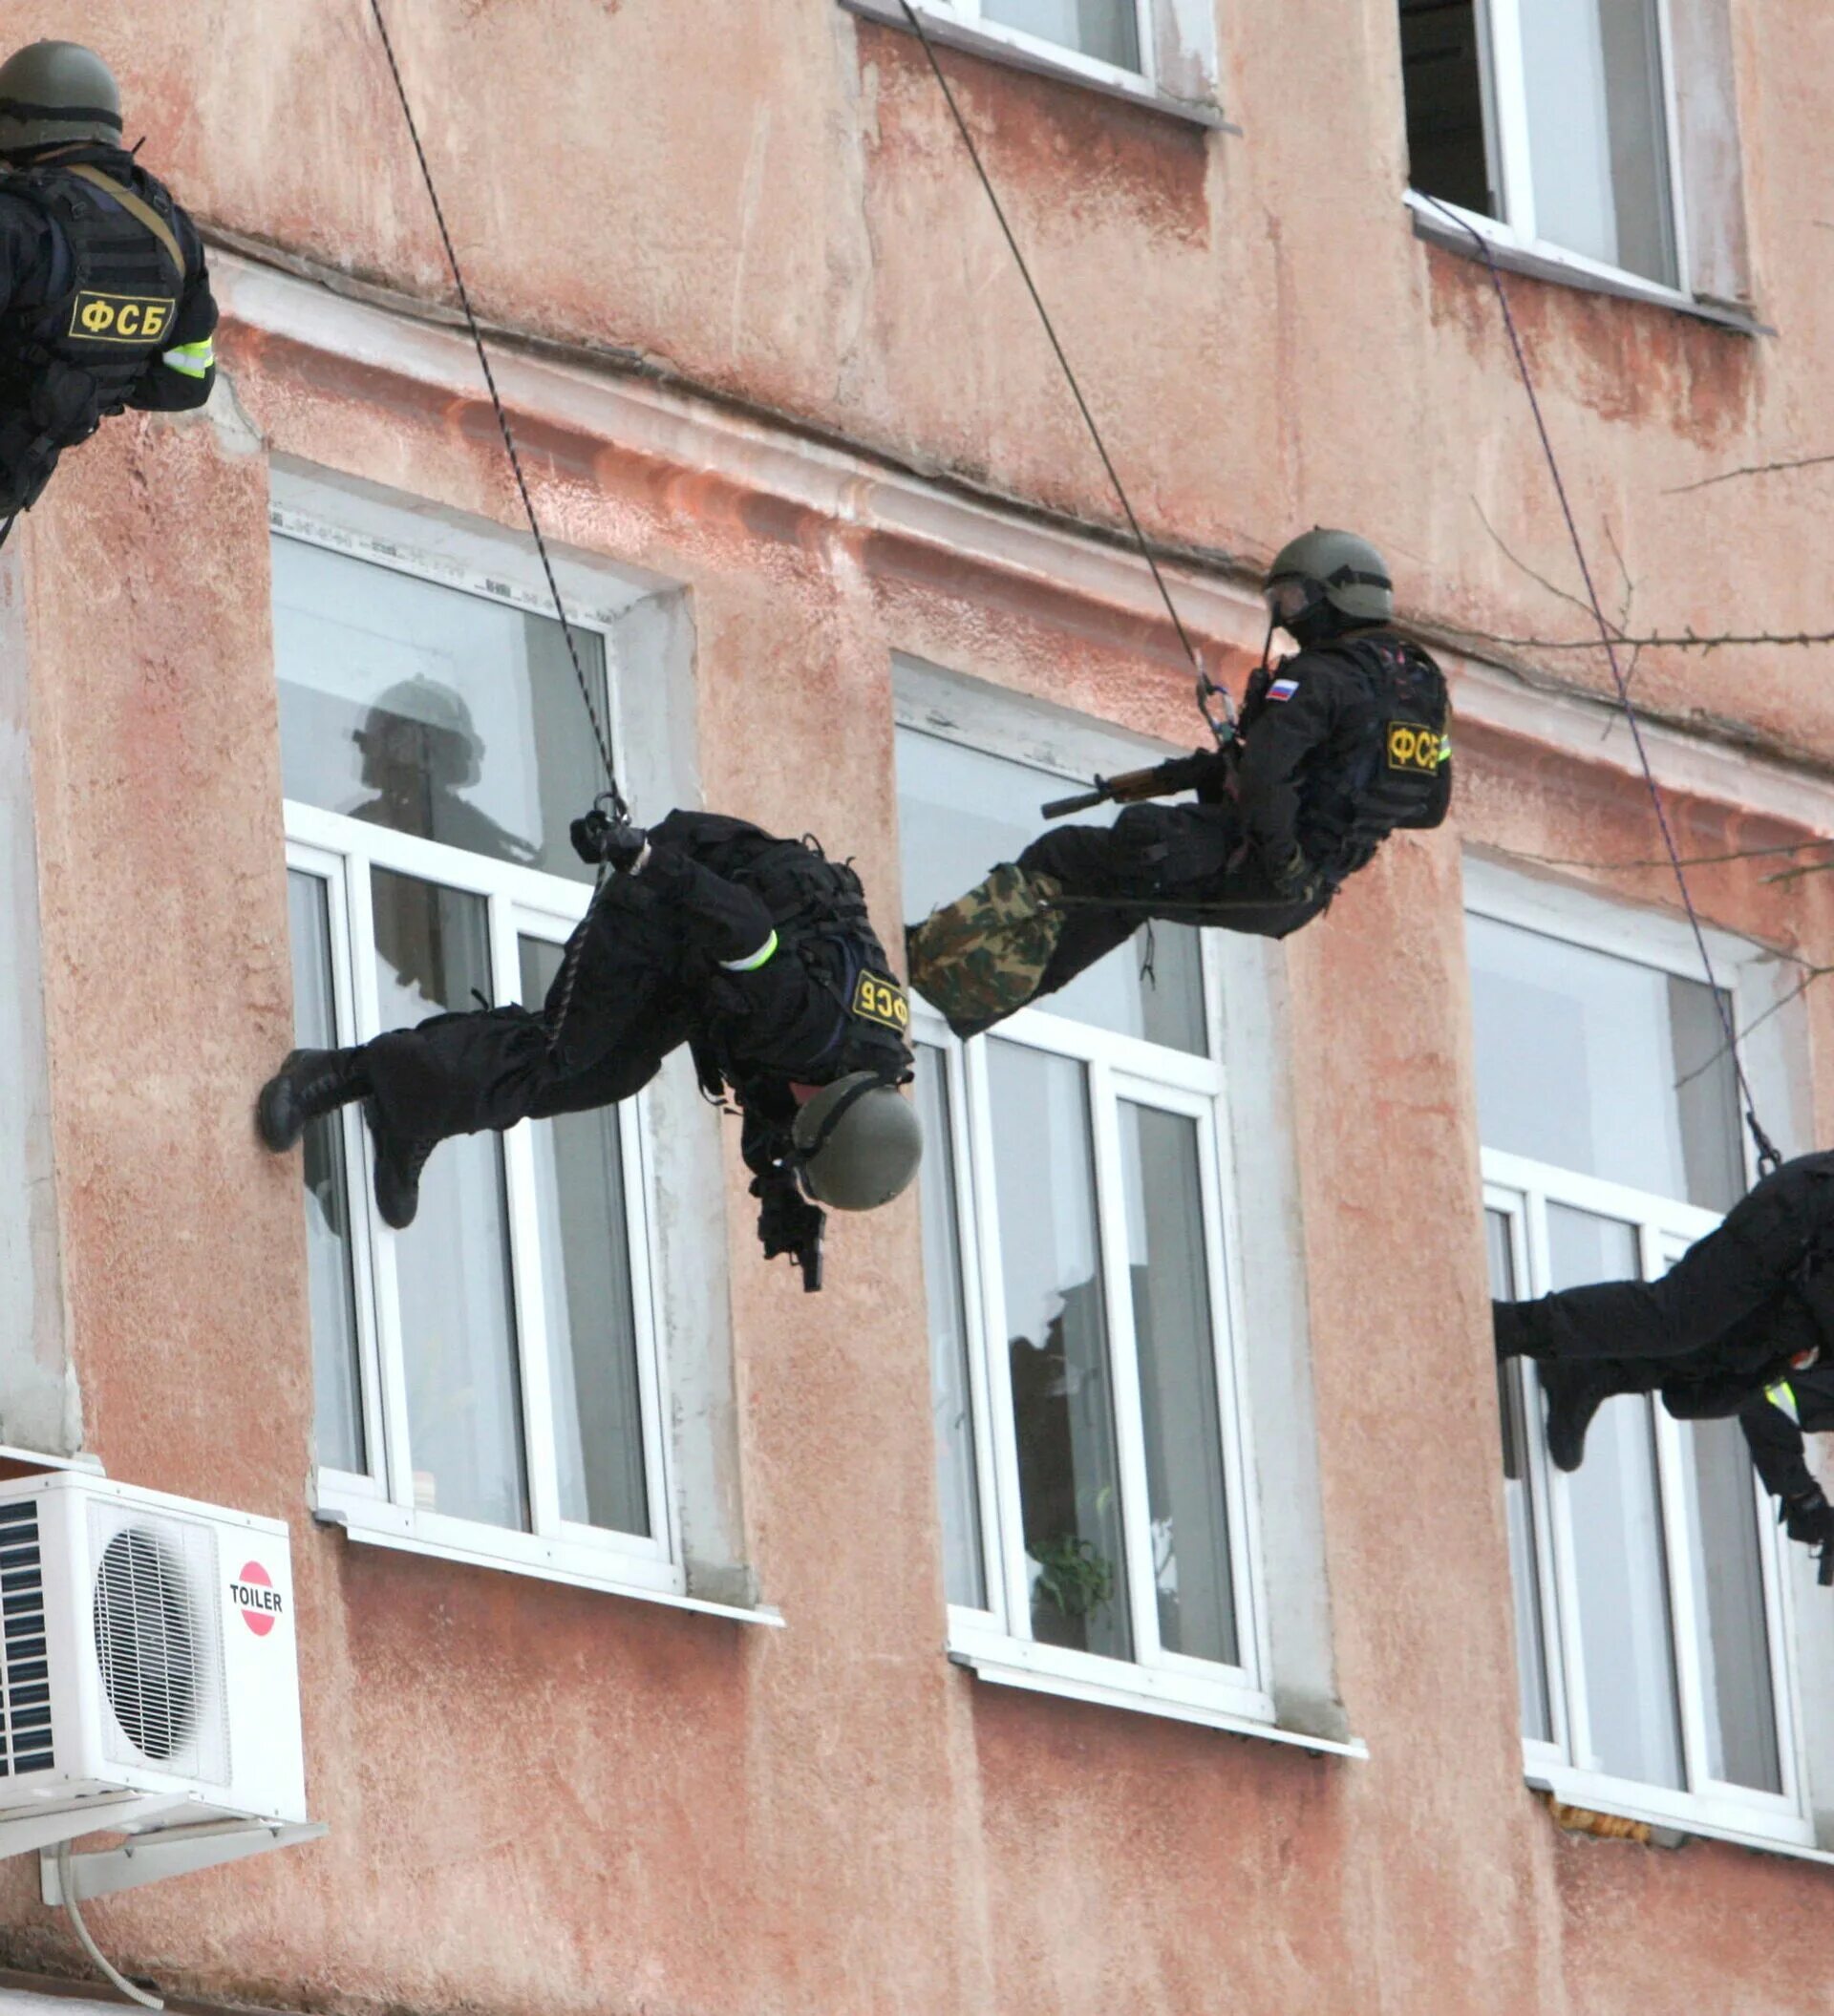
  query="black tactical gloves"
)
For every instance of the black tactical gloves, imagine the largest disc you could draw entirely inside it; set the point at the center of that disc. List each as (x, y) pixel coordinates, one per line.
(787, 1222)
(1295, 879)
(1809, 1518)
(616, 842)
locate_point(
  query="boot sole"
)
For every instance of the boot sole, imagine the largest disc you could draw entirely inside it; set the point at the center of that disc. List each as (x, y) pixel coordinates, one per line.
(278, 1133)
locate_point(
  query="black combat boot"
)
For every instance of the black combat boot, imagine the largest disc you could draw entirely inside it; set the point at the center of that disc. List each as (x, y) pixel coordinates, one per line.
(398, 1164)
(308, 1083)
(1575, 1393)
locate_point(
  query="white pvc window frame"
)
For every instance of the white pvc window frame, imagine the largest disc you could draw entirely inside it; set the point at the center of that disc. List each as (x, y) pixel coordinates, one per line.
(970, 14)
(521, 902)
(1508, 153)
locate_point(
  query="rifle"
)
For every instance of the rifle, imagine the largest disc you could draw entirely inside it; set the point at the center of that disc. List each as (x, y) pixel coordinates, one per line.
(1826, 1578)
(1161, 780)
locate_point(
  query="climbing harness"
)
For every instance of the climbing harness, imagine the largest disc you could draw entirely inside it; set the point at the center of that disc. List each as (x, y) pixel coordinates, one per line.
(1210, 695)
(1769, 1157)
(611, 798)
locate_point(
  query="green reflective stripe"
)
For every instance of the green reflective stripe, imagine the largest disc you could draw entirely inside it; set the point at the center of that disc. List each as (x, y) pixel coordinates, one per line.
(1782, 1398)
(757, 960)
(1445, 749)
(193, 359)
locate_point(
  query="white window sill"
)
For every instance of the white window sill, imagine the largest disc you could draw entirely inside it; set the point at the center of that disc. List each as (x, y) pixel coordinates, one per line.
(1042, 1669)
(1680, 1814)
(1024, 53)
(376, 1522)
(1573, 270)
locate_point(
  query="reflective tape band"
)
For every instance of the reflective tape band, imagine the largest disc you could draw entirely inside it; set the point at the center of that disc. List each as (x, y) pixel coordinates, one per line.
(193, 359)
(1782, 1398)
(757, 960)
(1445, 749)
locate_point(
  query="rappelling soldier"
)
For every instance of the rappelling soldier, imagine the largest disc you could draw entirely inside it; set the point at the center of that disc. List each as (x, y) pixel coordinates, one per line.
(104, 299)
(1742, 1324)
(755, 951)
(1336, 749)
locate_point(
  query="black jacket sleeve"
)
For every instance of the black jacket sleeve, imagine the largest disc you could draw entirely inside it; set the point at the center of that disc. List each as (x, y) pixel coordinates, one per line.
(1286, 733)
(180, 379)
(728, 923)
(1777, 1448)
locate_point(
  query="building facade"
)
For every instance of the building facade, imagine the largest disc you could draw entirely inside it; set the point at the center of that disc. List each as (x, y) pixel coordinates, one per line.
(1128, 1583)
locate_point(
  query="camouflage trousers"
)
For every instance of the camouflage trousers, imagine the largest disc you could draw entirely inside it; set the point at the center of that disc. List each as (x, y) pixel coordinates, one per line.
(983, 956)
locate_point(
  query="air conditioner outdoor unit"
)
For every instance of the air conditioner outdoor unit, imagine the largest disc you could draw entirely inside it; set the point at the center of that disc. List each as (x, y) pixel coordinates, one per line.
(149, 1681)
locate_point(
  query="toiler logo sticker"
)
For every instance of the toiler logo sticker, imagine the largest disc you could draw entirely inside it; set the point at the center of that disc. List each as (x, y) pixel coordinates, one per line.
(122, 318)
(1412, 749)
(877, 999)
(255, 1596)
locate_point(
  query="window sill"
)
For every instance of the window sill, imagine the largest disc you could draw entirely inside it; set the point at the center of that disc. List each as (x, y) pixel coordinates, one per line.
(997, 49)
(1569, 269)
(376, 1522)
(1667, 1817)
(1022, 1665)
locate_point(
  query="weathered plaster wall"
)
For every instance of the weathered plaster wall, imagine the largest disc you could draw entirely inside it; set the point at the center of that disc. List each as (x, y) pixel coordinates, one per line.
(546, 1800)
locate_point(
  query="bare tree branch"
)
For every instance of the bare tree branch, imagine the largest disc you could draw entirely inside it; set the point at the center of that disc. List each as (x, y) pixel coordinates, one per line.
(1810, 976)
(1727, 476)
(1521, 567)
(1686, 640)
(1696, 860)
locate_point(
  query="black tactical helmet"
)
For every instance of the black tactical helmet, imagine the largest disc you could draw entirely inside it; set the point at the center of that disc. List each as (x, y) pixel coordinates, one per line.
(858, 1143)
(52, 93)
(1322, 569)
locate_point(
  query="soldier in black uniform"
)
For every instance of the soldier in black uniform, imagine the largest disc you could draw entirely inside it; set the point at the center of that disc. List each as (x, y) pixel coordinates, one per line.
(1337, 748)
(104, 298)
(1744, 1317)
(756, 951)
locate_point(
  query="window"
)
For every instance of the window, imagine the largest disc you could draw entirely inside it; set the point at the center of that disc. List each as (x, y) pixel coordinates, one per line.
(1107, 33)
(487, 1381)
(1088, 1407)
(1554, 120)
(1650, 1612)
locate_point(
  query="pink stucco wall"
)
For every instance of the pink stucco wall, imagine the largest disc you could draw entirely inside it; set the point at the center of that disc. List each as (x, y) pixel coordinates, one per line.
(543, 1799)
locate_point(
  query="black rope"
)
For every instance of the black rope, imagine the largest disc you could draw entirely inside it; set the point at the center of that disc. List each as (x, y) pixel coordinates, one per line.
(1207, 689)
(599, 735)
(1768, 1155)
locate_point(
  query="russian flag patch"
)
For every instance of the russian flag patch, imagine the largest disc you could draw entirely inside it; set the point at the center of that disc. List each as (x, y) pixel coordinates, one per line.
(1282, 689)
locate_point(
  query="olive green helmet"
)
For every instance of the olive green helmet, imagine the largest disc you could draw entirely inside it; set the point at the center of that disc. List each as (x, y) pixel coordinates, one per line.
(52, 93)
(1335, 568)
(858, 1143)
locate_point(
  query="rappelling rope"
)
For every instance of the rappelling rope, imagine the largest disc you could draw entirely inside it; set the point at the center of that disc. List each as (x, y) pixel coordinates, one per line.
(612, 793)
(1207, 689)
(1769, 1157)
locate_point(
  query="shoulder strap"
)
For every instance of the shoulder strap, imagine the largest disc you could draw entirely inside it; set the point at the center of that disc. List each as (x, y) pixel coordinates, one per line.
(142, 212)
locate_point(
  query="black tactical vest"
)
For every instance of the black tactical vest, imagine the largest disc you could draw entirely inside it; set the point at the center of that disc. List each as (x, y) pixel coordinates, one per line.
(1389, 763)
(67, 362)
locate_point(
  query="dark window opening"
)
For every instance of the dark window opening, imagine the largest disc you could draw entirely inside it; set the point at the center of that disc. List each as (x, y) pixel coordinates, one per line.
(1442, 76)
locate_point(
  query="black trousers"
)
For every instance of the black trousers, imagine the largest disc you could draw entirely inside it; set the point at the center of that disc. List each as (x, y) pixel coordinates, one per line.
(1177, 863)
(1715, 1328)
(457, 1073)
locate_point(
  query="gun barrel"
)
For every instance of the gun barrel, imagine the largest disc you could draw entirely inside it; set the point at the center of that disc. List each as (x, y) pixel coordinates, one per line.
(1082, 801)
(1827, 1576)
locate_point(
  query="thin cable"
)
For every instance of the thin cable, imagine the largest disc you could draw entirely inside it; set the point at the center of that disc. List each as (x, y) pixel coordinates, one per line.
(1768, 1155)
(599, 735)
(115, 1978)
(1206, 687)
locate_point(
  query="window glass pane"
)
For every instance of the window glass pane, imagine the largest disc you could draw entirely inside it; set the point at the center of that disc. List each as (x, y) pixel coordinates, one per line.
(1106, 28)
(587, 1301)
(432, 712)
(1598, 135)
(1615, 1506)
(1512, 1394)
(1057, 1351)
(1579, 1054)
(1739, 1708)
(1443, 75)
(332, 1273)
(951, 1405)
(1174, 1339)
(961, 812)
(457, 1328)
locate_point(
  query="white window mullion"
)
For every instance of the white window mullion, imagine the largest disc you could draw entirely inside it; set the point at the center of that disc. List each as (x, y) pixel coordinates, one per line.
(1509, 99)
(634, 1150)
(1780, 1618)
(1015, 1583)
(1123, 1367)
(1684, 276)
(1674, 1484)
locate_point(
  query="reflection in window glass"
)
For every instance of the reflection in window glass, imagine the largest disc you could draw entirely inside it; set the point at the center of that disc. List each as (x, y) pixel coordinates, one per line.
(417, 707)
(1108, 30)
(458, 1329)
(1728, 1610)
(587, 1301)
(964, 1576)
(1513, 1395)
(961, 812)
(1579, 1054)
(332, 1273)
(1598, 137)
(1174, 1340)
(1058, 1351)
